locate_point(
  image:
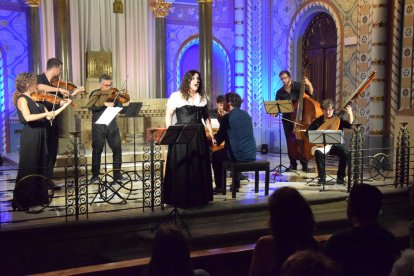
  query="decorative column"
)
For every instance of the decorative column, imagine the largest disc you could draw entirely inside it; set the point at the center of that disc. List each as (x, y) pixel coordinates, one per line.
(206, 44)
(35, 63)
(63, 52)
(160, 9)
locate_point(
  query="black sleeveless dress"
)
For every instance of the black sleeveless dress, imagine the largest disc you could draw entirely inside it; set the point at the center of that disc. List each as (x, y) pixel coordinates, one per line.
(188, 179)
(33, 156)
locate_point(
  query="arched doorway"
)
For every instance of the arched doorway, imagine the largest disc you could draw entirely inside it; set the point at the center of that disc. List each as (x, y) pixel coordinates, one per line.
(319, 50)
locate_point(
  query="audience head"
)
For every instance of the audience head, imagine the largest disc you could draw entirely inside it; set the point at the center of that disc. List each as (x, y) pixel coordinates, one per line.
(290, 214)
(192, 80)
(232, 100)
(404, 266)
(310, 263)
(170, 254)
(364, 203)
(24, 82)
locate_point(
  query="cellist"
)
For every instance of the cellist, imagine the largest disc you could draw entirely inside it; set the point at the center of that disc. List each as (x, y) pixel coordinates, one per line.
(339, 150)
(290, 91)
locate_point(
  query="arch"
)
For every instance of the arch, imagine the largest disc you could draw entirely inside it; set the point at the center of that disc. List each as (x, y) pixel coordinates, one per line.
(297, 27)
(219, 51)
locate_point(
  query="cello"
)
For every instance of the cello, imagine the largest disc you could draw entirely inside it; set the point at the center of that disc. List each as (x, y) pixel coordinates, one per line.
(307, 110)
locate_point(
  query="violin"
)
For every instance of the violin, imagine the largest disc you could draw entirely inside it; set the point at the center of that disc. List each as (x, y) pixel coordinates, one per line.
(121, 96)
(41, 96)
(55, 81)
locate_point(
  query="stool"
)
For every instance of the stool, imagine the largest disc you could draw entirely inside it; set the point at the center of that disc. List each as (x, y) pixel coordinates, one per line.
(237, 167)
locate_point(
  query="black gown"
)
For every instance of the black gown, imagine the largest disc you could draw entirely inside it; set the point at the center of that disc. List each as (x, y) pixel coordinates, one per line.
(188, 179)
(33, 159)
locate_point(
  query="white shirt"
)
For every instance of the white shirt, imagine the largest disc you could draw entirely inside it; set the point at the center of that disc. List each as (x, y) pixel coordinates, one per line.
(176, 100)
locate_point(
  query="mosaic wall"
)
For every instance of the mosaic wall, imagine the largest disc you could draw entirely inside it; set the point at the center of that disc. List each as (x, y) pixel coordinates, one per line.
(407, 76)
(13, 44)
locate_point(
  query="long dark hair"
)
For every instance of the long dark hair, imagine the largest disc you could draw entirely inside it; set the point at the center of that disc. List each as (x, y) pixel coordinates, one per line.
(170, 254)
(185, 84)
(291, 222)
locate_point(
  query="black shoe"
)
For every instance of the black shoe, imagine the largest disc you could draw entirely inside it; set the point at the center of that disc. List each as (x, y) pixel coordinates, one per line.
(321, 180)
(120, 179)
(305, 168)
(94, 179)
(292, 168)
(340, 180)
(217, 191)
(54, 187)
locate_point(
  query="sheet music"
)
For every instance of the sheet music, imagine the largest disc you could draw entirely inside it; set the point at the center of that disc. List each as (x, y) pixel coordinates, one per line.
(322, 149)
(108, 115)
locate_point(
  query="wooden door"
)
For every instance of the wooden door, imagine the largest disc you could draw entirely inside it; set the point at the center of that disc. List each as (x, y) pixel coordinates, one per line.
(319, 50)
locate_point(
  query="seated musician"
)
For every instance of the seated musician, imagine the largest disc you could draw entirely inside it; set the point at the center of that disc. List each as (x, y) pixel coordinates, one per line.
(219, 112)
(339, 150)
(236, 129)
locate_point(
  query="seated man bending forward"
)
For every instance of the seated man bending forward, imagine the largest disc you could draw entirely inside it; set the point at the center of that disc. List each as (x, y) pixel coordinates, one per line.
(236, 130)
(339, 150)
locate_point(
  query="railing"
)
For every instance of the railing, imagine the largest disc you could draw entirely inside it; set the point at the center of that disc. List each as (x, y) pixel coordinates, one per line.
(138, 189)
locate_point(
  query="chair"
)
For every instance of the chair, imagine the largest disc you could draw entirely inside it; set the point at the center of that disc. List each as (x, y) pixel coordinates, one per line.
(238, 167)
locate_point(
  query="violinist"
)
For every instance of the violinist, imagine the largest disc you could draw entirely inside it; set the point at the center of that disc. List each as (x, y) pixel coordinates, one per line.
(339, 150)
(33, 155)
(102, 133)
(53, 70)
(290, 91)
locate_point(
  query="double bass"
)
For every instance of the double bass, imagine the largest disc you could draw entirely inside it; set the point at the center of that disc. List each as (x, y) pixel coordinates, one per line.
(306, 111)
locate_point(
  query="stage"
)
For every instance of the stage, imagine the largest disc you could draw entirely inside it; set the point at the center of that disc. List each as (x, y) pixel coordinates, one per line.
(119, 231)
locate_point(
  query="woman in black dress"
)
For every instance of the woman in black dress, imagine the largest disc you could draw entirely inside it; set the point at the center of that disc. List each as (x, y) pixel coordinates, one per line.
(33, 152)
(188, 180)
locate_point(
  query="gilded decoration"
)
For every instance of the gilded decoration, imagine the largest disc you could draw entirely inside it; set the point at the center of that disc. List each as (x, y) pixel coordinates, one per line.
(160, 8)
(33, 3)
(98, 63)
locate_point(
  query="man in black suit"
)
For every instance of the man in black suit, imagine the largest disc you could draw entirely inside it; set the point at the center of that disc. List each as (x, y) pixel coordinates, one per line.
(236, 129)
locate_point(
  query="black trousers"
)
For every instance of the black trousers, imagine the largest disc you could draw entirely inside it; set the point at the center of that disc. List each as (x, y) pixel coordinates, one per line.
(338, 150)
(53, 146)
(288, 128)
(101, 134)
(217, 159)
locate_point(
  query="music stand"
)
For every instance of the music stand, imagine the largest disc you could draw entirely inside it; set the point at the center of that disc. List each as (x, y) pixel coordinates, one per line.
(325, 138)
(178, 134)
(275, 108)
(132, 111)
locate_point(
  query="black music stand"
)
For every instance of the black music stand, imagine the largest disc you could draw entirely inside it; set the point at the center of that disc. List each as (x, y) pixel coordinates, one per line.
(276, 108)
(178, 134)
(325, 138)
(132, 111)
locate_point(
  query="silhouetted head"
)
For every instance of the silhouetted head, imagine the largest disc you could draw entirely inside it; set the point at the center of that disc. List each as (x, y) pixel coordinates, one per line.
(310, 263)
(170, 254)
(364, 203)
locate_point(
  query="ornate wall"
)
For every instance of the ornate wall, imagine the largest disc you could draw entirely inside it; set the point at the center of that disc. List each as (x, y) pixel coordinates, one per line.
(15, 59)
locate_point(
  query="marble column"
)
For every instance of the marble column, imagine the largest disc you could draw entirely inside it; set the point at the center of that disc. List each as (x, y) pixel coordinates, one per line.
(35, 59)
(63, 52)
(160, 9)
(206, 44)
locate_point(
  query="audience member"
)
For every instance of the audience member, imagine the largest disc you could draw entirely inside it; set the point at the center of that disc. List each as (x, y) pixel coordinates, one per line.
(310, 263)
(366, 248)
(291, 222)
(170, 254)
(404, 266)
